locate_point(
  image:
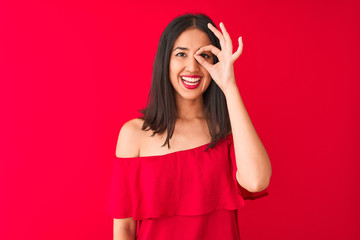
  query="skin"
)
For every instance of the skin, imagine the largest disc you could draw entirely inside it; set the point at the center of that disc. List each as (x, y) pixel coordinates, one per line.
(253, 164)
(182, 62)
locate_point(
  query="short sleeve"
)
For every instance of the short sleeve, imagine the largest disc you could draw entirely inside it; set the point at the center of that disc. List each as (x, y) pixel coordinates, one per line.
(118, 202)
(245, 194)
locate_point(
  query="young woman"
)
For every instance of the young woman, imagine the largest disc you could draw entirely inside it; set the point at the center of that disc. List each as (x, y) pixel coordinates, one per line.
(183, 169)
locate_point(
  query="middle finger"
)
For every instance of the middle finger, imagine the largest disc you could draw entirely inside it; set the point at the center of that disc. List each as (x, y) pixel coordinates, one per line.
(225, 32)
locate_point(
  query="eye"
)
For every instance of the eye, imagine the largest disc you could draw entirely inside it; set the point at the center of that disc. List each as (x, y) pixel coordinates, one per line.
(179, 53)
(204, 55)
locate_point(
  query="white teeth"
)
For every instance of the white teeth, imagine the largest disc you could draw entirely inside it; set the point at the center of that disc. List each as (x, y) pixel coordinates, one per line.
(191, 80)
(191, 83)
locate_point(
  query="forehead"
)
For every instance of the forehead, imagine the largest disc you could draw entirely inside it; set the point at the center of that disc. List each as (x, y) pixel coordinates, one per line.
(192, 38)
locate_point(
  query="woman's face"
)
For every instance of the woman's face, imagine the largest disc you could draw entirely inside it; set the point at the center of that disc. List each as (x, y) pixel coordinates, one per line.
(187, 76)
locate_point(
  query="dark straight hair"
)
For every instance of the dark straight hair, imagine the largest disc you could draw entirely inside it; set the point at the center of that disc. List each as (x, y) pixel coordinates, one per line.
(160, 114)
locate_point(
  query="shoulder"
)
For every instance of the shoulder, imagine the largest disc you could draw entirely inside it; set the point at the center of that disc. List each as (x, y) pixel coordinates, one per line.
(128, 143)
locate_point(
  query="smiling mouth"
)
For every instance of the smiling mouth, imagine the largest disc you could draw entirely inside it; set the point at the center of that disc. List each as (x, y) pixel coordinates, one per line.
(191, 82)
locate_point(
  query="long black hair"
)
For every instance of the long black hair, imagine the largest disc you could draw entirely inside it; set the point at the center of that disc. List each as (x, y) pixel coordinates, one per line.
(160, 114)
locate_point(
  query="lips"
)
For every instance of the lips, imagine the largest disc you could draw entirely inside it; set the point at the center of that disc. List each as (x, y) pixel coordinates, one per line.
(191, 81)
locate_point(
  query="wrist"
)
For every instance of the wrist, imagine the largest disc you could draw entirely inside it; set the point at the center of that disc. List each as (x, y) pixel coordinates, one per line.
(231, 89)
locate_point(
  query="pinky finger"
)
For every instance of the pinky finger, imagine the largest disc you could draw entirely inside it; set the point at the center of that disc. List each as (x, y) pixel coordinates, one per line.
(239, 50)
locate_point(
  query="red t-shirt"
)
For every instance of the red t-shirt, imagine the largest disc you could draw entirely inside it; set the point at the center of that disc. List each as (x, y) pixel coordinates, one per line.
(190, 194)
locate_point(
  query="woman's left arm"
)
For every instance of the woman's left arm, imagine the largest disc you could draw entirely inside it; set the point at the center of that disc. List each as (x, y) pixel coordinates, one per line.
(252, 161)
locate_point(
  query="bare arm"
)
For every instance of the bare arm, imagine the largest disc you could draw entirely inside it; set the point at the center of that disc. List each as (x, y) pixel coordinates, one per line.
(127, 146)
(252, 160)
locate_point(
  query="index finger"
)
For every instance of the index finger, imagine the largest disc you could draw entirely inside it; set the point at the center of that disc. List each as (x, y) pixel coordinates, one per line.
(214, 50)
(210, 48)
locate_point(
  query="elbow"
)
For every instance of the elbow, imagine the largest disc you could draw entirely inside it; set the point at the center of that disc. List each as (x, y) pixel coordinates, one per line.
(260, 186)
(256, 185)
(263, 180)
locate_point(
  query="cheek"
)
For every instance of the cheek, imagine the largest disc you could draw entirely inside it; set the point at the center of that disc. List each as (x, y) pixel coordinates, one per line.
(173, 68)
(173, 71)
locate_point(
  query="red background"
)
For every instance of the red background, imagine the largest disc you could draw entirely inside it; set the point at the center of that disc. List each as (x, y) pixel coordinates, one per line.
(73, 72)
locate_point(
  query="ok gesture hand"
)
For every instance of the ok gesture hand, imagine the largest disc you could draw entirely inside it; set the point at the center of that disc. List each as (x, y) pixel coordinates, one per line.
(223, 71)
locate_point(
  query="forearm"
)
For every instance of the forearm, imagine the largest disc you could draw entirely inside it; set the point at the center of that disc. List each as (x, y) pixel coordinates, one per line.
(252, 161)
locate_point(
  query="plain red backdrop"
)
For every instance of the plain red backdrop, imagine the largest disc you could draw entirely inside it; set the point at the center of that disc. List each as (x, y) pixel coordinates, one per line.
(73, 72)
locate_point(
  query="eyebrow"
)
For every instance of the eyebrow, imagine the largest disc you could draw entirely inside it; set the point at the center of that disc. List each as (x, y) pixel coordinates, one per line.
(184, 48)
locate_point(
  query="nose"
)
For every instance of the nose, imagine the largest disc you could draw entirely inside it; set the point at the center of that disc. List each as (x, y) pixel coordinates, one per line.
(192, 64)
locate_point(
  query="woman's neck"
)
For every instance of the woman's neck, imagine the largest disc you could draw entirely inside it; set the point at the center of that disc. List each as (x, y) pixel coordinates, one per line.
(190, 109)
